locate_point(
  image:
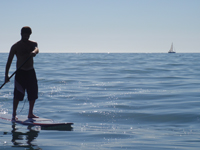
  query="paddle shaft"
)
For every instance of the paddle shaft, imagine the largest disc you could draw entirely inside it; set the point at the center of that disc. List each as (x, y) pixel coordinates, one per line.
(17, 70)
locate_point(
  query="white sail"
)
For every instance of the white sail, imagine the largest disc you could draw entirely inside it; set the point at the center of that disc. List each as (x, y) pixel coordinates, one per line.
(172, 49)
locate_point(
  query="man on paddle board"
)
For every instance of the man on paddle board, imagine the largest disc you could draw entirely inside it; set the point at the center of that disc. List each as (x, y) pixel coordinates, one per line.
(25, 78)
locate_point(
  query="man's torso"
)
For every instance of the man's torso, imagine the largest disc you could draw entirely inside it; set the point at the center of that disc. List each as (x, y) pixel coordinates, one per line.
(23, 51)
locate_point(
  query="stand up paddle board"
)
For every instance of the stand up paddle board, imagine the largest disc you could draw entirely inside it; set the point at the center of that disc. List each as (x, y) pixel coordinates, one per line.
(44, 123)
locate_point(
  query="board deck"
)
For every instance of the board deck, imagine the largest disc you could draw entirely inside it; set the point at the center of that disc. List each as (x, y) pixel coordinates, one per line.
(42, 122)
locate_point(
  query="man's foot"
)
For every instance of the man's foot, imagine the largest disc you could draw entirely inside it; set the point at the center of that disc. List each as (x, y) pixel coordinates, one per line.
(32, 116)
(14, 118)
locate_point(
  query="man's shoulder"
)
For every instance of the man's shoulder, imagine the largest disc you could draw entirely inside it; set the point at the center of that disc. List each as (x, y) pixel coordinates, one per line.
(16, 44)
(19, 43)
(34, 42)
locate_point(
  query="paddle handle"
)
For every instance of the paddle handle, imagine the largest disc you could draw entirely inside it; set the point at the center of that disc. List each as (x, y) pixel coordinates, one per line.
(17, 70)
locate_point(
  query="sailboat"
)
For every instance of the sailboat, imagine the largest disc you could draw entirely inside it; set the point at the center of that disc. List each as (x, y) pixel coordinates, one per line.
(172, 49)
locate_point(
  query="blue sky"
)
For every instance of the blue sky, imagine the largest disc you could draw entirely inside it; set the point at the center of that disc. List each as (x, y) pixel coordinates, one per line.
(101, 26)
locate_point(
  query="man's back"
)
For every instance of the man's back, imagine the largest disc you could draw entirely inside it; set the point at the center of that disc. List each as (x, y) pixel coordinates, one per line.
(23, 51)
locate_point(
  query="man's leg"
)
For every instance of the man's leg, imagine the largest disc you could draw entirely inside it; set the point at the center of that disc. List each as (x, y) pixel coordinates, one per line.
(15, 105)
(31, 106)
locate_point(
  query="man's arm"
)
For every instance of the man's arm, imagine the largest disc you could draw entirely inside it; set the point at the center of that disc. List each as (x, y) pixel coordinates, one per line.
(8, 64)
(36, 50)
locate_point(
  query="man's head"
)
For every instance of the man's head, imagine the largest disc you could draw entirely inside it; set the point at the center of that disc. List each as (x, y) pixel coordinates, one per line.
(25, 33)
(26, 30)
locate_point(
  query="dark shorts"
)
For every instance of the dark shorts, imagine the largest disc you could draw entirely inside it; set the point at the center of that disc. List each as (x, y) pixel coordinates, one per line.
(26, 80)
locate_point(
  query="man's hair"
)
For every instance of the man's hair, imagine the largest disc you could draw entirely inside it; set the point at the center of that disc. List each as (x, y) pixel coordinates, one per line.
(26, 29)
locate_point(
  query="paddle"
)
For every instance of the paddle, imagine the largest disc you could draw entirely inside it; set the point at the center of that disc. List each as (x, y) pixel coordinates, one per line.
(16, 70)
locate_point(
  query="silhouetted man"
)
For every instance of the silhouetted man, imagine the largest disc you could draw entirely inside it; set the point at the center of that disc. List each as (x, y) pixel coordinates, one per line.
(25, 78)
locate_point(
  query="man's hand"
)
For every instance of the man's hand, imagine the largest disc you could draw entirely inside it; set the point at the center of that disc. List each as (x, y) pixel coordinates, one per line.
(7, 79)
(35, 51)
(33, 54)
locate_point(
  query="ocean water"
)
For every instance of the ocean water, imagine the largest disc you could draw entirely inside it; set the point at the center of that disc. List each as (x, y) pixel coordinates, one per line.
(116, 101)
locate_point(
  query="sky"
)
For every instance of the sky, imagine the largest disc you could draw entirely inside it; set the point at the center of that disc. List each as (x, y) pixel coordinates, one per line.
(103, 26)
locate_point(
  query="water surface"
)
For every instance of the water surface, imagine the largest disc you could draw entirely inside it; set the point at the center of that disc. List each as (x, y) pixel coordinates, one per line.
(116, 101)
